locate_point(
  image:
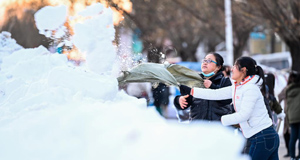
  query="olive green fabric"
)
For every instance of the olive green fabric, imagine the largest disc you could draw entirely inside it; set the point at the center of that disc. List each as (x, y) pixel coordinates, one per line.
(148, 72)
(169, 74)
(185, 76)
(275, 106)
(293, 106)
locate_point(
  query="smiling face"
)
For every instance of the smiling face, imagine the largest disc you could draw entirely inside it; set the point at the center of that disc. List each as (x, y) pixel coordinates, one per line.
(209, 67)
(237, 73)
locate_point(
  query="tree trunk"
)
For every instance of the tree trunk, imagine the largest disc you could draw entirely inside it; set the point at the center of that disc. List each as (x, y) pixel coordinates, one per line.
(241, 44)
(210, 46)
(188, 54)
(295, 54)
(273, 43)
(237, 52)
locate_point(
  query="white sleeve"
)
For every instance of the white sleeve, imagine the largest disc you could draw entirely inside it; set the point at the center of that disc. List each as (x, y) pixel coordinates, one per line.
(212, 94)
(247, 106)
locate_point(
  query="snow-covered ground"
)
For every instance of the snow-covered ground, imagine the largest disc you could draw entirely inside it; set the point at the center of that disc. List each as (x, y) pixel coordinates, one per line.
(51, 109)
(7, 45)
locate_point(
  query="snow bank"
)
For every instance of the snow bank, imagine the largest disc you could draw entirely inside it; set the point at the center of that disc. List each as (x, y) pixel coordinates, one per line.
(50, 109)
(7, 45)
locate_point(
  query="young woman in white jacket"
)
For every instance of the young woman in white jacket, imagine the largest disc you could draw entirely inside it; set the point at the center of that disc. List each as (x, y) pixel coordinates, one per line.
(251, 113)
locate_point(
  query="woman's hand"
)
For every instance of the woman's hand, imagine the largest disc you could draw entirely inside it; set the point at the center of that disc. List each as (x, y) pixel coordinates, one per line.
(207, 83)
(182, 101)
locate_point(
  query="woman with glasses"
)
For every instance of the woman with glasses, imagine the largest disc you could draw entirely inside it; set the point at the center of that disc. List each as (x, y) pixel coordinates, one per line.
(251, 113)
(211, 110)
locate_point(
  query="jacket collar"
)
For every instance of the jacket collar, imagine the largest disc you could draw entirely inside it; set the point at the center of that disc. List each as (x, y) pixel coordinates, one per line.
(249, 79)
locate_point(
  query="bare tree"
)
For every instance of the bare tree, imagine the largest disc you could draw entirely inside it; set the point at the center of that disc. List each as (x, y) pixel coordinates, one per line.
(212, 14)
(243, 24)
(158, 20)
(284, 18)
(162, 19)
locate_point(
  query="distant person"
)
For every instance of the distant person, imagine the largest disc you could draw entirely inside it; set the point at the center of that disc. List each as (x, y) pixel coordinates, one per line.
(273, 103)
(286, 126)
(251, 112)
(226, 71)
(293, 110)
(202, 109)
(160, 93)
(161, 98)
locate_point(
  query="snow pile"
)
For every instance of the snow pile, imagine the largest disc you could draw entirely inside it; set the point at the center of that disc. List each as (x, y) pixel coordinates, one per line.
(7, 45)
(94, 37)
(50, 109)
(55, 22)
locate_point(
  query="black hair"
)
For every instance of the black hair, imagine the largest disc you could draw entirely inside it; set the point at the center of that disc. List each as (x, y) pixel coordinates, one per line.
(294, 77)
(227, 69)
(270, 82)
(170, 51)
(252, 69)
(219, 60)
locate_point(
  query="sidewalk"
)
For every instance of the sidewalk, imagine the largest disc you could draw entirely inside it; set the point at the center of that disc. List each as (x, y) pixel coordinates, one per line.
(282, 150)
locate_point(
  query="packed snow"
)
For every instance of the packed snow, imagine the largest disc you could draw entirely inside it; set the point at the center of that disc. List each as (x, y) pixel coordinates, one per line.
(7, 45)
(51, 109)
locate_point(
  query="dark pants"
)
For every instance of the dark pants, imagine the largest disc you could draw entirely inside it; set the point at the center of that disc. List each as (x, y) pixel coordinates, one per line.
(247, 147)
(287, 141)
(295, 135)
(264, 145)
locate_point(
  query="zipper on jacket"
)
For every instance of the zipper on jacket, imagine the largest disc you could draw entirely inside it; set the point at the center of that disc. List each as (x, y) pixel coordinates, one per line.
(234, 98)
(208, 109)
(234, 105)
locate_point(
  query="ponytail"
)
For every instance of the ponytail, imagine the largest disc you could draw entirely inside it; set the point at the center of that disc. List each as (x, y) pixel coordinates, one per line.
(260, 72)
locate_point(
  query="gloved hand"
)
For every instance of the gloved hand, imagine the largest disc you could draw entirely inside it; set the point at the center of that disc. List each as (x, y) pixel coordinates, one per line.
(281, 115)
(184, 90)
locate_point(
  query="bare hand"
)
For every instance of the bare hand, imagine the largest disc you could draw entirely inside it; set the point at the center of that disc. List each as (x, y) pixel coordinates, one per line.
(182, 101)
(207, 83)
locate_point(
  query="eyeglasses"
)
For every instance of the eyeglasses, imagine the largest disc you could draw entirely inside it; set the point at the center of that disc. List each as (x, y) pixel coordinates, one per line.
(208, 61)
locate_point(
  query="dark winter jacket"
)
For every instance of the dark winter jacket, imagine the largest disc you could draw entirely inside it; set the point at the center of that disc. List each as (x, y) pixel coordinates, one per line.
(292, 101)
(161, 95)
(272, 101)
(211, 110)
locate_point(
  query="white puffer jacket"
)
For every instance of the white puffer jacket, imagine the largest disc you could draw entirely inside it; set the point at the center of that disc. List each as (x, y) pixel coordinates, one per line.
(251, 112)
